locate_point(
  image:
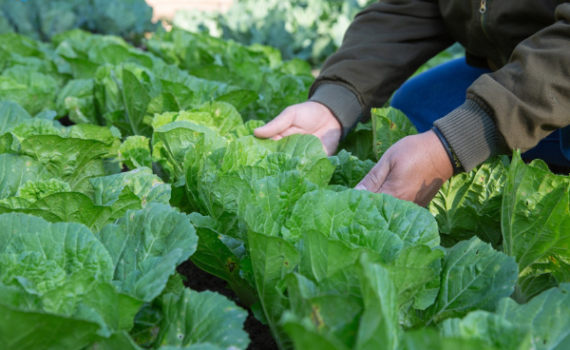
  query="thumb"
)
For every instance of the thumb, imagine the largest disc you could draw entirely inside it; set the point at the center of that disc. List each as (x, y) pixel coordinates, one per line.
(375, 178)
(277, 125)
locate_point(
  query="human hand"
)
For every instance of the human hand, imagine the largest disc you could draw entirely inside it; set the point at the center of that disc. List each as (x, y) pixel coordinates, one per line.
(413, 169)
(304, 118)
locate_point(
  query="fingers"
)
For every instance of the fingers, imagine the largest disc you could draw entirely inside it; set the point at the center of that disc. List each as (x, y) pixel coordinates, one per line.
(277, 125)
(374, 180)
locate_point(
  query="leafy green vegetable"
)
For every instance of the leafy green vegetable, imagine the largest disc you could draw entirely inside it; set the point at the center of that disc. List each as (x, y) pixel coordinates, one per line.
(33, 191)
(220, 255)
(135, 152)
(193, 318)
(145, 246)
(272, 259)
(534, 220)
(360, 142)
(76, 100)
(309, 30)
(350, 170)
(61, 270)
(470, 204)
(261, 85)
(34, 91)
(474, 276)
(544, 315)
(89, 252)
(379, 323)
(43, 20)
(12, 115)
(491, 329)
(390, 125)
(367, 218)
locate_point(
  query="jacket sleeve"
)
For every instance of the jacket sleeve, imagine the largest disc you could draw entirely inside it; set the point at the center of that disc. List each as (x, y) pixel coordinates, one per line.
(518, 105)
(383, 47)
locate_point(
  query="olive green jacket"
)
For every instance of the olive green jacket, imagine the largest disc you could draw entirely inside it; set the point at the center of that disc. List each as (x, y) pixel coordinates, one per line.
(526, 43)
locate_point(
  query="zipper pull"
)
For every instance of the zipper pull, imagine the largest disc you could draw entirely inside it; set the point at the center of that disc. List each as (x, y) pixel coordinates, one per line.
(483, 7)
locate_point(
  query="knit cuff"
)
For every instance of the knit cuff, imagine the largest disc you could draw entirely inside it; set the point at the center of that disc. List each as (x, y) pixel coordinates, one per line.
(472, 134)
(343, 104)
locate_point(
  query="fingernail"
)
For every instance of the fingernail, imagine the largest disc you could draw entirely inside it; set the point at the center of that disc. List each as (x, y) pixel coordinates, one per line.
(360, 187)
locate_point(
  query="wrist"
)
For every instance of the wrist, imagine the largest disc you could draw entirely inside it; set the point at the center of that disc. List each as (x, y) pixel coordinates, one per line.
(471, 132)
(443, 156)
(342, 103)
(328, 116)
(455, 163)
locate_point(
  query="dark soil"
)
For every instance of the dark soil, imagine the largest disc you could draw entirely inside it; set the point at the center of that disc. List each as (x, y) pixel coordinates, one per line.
(65, 121)
(199, 280)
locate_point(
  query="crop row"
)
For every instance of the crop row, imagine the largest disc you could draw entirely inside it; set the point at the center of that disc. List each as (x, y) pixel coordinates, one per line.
(160, 166)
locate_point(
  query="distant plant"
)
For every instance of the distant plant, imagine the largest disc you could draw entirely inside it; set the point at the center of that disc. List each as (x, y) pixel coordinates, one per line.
(307, 29)
(42, 20)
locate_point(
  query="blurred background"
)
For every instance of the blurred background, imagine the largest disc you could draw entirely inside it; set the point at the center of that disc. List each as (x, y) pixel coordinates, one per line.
(167, 8)
(307, 29)
(310, 30)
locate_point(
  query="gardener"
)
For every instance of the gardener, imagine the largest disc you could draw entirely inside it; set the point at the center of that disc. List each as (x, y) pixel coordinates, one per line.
(516, 74)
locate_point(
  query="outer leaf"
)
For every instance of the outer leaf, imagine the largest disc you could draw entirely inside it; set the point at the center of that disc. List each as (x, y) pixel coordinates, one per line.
(322, 257)
(207, 317)
(374, 218)
(379, 323)
(220, 255)
(469, 204)
(148, 188)
(68, 207)
(305, 336)
(109, 136)
(146, 246)
(136, 100)
(36, 126)
(116, 310)
(11, 115)
(427, 339)
(165, 102)
(411, 273)
(546, 316)
(390, 126)
(9, 144)
(272, 259)
(490, 329)
(16, 171)
(39, 331)
(206, 346)
(120, 340)
(240, 99)
(328, 309)
(474, 276)
(272, 200)
(535, 217)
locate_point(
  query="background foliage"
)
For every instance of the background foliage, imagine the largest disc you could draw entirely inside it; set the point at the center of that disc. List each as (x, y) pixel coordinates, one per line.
(41, 20)
(308, 29)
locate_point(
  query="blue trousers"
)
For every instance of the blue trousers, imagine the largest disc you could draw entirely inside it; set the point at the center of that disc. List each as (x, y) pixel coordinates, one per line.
(436, 92)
